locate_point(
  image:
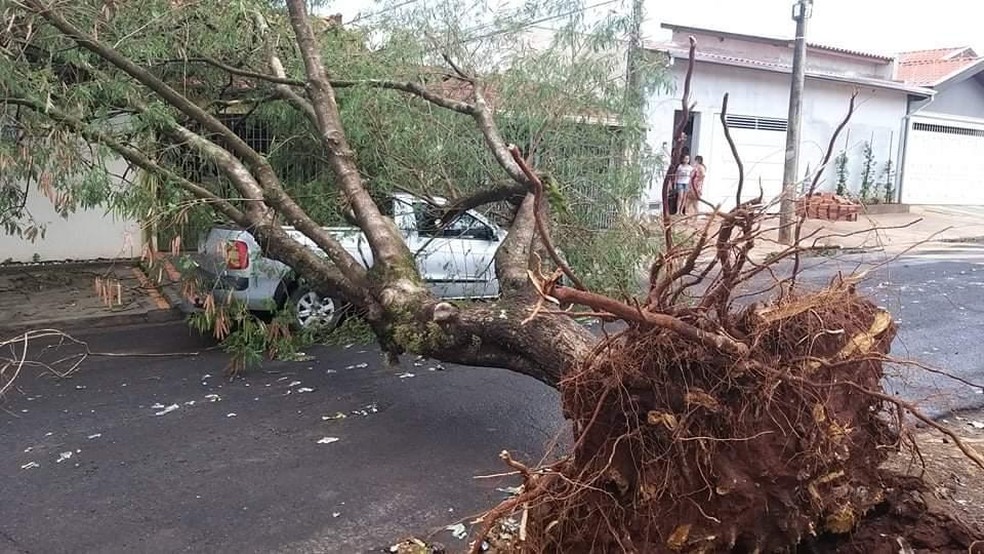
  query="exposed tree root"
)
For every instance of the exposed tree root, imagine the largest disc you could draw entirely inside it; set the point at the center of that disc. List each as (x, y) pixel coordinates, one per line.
(711, 425)
(683, 448)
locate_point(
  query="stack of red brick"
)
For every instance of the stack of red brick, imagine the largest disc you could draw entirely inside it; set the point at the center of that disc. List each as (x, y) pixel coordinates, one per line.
(827, 205)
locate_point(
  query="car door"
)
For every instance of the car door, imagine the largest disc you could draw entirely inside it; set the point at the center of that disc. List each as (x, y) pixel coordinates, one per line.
(454, 258)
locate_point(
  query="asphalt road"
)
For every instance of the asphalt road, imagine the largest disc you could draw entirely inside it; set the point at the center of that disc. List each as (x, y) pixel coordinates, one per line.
(200, 479)
(937, 298)
(243, 471)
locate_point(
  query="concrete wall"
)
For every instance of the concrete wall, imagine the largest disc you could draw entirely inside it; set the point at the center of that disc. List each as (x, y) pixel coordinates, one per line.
(84, 235)
(879, 116)
(964, 99)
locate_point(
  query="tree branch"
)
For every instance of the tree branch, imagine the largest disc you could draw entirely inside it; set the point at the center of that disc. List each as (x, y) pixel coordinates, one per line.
(816, 182)
(538, 217)
(129, 153)
(734, 149)
(255, 75)
(415, 89)
(643, 317)
(381, 233)
(151, 81)
(284, 89)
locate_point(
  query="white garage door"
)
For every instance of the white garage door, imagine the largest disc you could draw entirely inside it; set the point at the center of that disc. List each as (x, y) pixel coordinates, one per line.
(761, 144)
(944, 163)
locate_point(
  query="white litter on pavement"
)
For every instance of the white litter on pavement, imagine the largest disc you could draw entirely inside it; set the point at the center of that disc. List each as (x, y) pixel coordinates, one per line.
(95, 436)
(231, 414)
(336, 514)
(363, 365)
(293, 384)
(167, 410)
(338, 415)
(305, 389)
(458, 531)
(63, 456)
(328, 440)
(213, 397)
(206, 376)
(157, 406)
(365, 411)
(190, 403)
(30, 465)
(406, 375)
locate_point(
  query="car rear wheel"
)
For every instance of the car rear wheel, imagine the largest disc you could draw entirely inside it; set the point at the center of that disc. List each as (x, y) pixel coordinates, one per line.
(314, 311)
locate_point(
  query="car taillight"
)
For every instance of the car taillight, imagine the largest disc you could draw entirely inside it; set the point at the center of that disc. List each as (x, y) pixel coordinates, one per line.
(237, 255)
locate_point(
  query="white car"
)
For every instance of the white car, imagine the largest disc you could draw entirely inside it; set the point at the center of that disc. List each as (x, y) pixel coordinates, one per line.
(457, 260)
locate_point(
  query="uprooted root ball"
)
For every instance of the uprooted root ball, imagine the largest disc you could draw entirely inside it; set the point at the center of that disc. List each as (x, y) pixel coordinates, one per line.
(683, 448)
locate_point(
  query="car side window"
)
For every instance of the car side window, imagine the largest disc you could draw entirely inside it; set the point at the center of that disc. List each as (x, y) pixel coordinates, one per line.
(464, 226)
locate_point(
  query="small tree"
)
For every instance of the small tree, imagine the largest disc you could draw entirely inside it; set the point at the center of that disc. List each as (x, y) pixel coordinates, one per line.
(888, 182)
(867, 172)
(840, 165)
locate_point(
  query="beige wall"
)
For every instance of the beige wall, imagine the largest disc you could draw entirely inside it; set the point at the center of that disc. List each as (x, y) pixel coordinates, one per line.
(84, 235)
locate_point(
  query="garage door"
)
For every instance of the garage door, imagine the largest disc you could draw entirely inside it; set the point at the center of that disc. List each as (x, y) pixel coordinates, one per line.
(944, 163)
(761, 143)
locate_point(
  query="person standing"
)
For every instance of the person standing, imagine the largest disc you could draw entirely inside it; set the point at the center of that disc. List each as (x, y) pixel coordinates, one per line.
(696, 186)
(681, 182)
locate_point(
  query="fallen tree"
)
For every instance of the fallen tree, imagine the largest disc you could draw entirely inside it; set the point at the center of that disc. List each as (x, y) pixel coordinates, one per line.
(711, 423)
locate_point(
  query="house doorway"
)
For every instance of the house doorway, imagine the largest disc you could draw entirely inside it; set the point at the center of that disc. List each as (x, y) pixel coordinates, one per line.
(690, 140)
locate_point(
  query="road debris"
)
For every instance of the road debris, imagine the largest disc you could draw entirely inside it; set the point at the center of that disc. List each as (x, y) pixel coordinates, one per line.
(94, 436)
(458, 531)
(167, 410)
(30, 465)
(213, 397)
(328, 440)
(231, 414)
(406, 375)
(363, 365)
(336, 514)
(366, 410)
(293, 384)
(305, 389)
(64, 456)
(338, 415)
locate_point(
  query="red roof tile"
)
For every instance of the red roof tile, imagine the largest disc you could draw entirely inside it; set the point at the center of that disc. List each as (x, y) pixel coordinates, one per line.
(929, 67)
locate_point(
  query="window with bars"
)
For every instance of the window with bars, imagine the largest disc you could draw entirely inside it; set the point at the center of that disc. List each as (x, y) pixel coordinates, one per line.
(758, 123)
(948, 129)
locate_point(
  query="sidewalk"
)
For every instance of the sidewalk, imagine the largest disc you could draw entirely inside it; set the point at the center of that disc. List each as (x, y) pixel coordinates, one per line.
(79, 295)
(923, 227)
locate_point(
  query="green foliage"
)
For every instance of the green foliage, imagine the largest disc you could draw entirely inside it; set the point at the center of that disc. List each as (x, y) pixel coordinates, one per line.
(867, 172)
(351, 331)
(561, 97)
(612, 260)
(840, 166)
(888, 182)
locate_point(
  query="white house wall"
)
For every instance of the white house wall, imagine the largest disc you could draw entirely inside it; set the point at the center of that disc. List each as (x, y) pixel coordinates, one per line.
(84, 235)
(878, 118)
